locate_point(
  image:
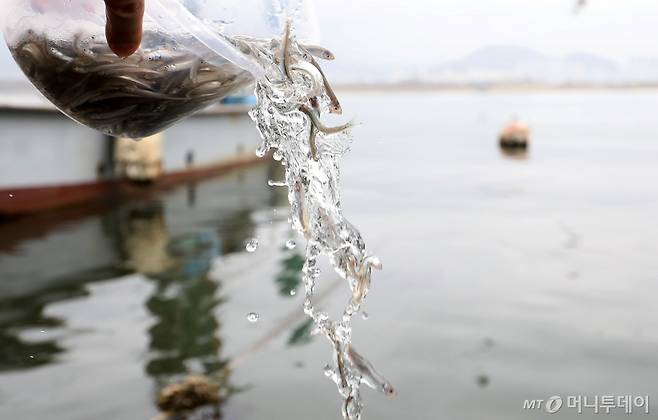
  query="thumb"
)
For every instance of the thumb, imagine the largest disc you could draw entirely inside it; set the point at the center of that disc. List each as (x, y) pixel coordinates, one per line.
(124, 25)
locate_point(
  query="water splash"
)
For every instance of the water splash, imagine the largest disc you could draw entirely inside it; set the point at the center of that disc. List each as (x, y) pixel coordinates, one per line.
(253, 317)
(291, 99)
(251, 245)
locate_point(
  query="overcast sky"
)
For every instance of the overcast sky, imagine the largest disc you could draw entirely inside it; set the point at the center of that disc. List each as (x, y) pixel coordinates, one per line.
(430, 31)
(436, 30)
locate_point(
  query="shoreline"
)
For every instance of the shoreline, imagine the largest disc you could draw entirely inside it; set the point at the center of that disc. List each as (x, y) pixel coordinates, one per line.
(491, 87)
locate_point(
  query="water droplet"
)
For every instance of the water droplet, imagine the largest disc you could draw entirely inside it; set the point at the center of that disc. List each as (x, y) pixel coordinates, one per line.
(290, 244)
(316, 330)
(43, 331)
(252, 245)
(260, 152)
(293, 292)
(328, 371)
(11, 195)
(376, 263)
(31, 357)
(273, 183)
(364, 315)
(252, 317)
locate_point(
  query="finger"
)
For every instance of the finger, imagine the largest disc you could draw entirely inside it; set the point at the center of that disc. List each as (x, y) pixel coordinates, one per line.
(124, 25)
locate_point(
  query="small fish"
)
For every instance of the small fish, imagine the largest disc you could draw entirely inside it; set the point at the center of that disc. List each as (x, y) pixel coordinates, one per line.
(77, 47)
(302, 212)
(140, 93)
(338, 355)
(314, 103)
(194, 69)
(206, 89)
(286, 50)
(334, 107)
(82, 99)
(110, 115)
(319, 52)
(361, 273)
(321, 127)
(362, 285)
(312, 143)
(108, 69)
(136, 82)
(346, 407)
(370, 377)
(342, 371)
(307, 69)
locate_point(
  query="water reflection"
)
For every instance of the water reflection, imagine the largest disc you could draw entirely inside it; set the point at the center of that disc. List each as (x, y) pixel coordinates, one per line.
(302, 334)
(25, 313)
(289, 277)
(514, 153)
(185, 337)
(288, 280)
(22, 314)
(173, 240)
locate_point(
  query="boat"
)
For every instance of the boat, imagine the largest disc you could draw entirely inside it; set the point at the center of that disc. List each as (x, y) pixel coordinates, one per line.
(48, 161)
(514, 135)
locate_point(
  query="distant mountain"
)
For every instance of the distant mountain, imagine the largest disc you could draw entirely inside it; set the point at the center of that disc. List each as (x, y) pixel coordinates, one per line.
(508, 63)
(503, 64)
(499, 58)
(643, 69)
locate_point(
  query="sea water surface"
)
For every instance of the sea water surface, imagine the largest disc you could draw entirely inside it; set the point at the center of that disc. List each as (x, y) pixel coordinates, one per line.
(506, 277)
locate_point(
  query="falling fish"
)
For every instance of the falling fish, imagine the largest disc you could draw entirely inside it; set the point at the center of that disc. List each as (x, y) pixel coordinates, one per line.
(312, 114)
(361, 275)
(340, 362)
(370, 377)
(287, 60)
(319, 52)
(321, 127)
(286, 51)
(302, 212)
(334, 107)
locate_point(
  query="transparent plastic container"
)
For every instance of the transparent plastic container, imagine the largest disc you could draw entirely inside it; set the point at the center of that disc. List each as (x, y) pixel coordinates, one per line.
(186, 61)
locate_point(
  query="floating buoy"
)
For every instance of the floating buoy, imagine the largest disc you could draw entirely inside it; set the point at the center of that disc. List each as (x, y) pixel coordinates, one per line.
(515, 135)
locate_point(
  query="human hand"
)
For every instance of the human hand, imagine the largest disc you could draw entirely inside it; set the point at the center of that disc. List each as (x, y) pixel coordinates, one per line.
(124, 25)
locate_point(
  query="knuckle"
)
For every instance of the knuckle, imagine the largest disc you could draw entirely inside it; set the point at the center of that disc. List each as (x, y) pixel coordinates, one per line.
(125, 8)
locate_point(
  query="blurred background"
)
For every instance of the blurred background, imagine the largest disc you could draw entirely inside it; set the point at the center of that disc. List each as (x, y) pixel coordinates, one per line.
(505, 173)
